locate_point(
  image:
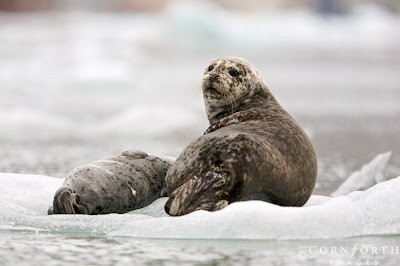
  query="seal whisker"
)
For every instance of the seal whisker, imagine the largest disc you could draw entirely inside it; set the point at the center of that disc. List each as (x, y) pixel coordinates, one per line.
(192, 94)
(229, 100)
(232, 100)
(226, 101)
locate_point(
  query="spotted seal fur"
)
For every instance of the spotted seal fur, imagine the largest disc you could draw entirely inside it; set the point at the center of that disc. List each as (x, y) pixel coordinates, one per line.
(253, 148)
(128, 181)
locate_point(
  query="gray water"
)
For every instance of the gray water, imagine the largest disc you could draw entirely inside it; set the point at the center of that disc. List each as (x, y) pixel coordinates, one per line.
(85, 250)
(77, 87)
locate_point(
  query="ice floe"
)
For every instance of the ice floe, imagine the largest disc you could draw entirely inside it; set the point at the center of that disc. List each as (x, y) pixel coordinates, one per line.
(24, 200)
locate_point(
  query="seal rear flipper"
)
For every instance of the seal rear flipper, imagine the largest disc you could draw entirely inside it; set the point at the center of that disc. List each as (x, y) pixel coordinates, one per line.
(62, 202)
(208, 192)
(76, 203)
(67, 202)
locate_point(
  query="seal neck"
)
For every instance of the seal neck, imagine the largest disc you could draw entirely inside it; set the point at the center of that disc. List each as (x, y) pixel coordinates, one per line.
(256, 101)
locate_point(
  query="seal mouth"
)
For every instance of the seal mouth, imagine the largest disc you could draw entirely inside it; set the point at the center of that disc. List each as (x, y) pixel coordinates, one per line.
(212, 91)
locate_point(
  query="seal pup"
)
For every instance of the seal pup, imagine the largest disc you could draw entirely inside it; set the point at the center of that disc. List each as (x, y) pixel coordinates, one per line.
(253, 148)
(128, 181)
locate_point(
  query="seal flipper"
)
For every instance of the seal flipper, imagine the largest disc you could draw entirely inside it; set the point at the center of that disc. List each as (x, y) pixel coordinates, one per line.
(76, 203)
(164, 193)
(62, 202)
(257, 196)
(209, 191)
(134, 154)
(220, 205)
(67, 202)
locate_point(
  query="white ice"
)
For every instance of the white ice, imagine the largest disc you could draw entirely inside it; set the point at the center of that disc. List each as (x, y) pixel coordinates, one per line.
(369, 175)
(24, 200)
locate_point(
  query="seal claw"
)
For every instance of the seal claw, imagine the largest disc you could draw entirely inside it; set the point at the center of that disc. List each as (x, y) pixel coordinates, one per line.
(220, 205)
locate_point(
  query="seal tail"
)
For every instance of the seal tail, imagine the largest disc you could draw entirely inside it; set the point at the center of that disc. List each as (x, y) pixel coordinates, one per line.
(67, 202)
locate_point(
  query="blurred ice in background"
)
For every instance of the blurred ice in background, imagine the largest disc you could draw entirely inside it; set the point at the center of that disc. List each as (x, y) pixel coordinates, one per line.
(80, 80)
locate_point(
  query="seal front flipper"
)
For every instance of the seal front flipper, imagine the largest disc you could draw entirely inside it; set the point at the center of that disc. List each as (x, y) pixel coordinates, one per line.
(134, 154)
(220, 205)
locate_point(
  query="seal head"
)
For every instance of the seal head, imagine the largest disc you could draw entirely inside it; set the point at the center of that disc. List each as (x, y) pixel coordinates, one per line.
(229, 83)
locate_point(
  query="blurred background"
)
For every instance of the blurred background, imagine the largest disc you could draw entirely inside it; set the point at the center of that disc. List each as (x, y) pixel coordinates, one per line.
(83, 80)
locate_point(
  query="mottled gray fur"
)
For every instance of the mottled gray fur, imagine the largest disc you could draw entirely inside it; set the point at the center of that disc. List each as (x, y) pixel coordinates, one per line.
(128, 181)
(253, 147)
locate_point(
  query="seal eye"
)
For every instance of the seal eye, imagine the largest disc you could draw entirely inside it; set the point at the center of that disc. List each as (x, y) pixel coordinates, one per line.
(211, 67)
(233, 73)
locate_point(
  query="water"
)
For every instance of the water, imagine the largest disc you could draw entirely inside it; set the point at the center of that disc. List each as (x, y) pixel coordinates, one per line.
(77, 87)
(246, 232)
(73, 249)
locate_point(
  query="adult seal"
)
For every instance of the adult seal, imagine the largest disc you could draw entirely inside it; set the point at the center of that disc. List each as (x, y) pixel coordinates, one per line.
(128, 181)
(253, 149)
